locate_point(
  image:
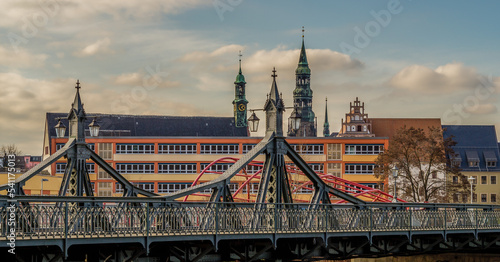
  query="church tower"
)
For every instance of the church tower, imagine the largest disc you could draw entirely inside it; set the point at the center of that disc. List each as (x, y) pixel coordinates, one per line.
(326, 125)
(240, 102)
(302, 98)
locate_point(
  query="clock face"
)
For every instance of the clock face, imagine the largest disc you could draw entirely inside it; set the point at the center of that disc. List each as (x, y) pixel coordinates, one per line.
(241, 107)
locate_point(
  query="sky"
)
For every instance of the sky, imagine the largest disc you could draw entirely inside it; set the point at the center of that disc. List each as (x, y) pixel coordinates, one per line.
(404, 59)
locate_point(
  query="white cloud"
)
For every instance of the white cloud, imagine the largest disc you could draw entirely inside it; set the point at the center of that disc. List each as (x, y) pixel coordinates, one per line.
(21, 58)
(444, 79)
(481, 109)
(23, 13)
(97, 48)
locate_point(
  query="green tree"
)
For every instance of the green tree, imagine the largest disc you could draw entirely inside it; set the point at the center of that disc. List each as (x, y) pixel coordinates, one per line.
(423, 166)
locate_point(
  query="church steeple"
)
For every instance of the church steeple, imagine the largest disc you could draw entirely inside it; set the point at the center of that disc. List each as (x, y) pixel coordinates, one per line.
(302, 98)
(326, 126)
(240, 102)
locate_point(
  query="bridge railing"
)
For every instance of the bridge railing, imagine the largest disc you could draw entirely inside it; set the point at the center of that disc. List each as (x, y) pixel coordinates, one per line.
(55, 218)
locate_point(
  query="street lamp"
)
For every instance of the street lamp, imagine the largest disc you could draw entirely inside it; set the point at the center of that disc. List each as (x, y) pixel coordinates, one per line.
(471, 179)
(295, 120)
(43, 180)
(254, 122)
(94, 128)
(395, 171)
(60, 129)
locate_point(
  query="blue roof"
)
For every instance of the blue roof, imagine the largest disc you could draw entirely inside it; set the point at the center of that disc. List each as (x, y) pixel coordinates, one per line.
(474, 143)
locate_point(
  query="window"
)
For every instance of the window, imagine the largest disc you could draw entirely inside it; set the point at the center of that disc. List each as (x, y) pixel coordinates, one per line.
(92, 147)
(434, 174)
(91, 168)
(248, 147)
(318, 168)
(484, 180)
(493, 180)
(219, 149)
(135, 148)
(105, 189)
(168, 188)
(483, 198)
(150, 187)
(177, 168)
(334, 152)
(118, 188)
(135, 168)
(493, 198)
(105, 150)
(177, 149)
(455, 179)
(364, 149)
(61, 167)
(372, 185)
(473, 163)
(464, 198)
(101, 174)
(335, 169)
(254, 188)
(474, 198)
(491, 163)
(312, 149)
(216, 167)
(359, 168)
(304, 190)
(59, 146)
(474, 181)
(233, 187)
(252, 169)
(455, 197)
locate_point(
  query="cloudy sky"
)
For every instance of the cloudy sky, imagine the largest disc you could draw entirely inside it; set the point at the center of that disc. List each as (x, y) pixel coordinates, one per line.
(402, 58)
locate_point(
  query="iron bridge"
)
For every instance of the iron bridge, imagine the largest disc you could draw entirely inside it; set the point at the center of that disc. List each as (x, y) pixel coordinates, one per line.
(187, 231)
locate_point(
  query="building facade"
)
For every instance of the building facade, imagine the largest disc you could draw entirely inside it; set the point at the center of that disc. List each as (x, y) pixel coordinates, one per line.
(477, 155)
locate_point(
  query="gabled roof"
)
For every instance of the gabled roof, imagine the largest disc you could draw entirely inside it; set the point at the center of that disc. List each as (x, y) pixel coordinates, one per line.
(386, 127)
(475, 143)
(156, 126)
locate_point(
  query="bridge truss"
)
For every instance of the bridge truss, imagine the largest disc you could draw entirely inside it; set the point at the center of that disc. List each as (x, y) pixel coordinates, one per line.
(269, 225)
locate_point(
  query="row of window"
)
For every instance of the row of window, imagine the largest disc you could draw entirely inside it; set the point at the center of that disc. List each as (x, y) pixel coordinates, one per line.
(60, 145)
(190, 168)
(334, 150)
(364, 149)
(464, 198)
(61, 167)
(484, 180)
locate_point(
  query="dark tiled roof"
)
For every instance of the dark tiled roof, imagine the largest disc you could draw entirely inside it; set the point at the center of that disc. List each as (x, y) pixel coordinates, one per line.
(475, 142)
(138, 125)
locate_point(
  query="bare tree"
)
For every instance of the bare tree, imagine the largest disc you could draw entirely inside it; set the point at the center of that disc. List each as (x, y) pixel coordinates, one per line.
(6, 150)
(423, 166)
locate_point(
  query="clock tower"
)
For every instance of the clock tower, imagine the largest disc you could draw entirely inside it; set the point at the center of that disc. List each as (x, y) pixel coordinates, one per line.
(240, 102)
(302, 98)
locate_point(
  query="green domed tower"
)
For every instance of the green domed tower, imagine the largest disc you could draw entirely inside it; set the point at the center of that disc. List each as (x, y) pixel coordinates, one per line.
(240, 102)
(302, 98)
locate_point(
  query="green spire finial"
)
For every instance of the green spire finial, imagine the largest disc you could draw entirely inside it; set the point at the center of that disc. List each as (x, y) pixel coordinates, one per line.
(240, 78)
(303, 67)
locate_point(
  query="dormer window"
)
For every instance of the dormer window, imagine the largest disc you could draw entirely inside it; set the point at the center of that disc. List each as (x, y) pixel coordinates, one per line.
(490, 158)
(472, 158)
(473, 163)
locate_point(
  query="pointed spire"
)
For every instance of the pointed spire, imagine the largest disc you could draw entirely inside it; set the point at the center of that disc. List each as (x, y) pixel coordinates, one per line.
(303, 66)
(77, 103)
(274, 94)
(240, 78)
(326, 126)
